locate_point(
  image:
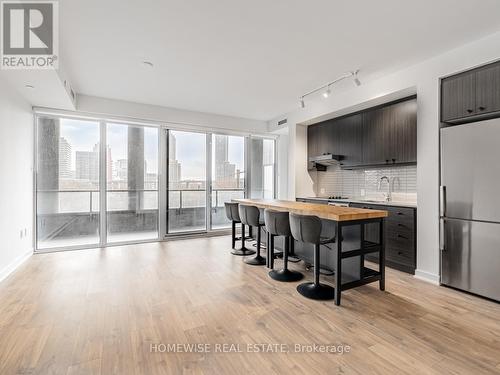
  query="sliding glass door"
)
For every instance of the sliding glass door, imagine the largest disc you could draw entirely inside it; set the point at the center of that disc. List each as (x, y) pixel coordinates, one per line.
(228, 175)
(132, 182)
(101, 182)
(262, 168)
(187, 182)
(67, 190)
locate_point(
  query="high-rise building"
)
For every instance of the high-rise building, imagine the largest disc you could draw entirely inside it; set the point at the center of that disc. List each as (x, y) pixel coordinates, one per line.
(87, 164)
(174, 167)
(64, 158)
(121, 169)
(225, 172)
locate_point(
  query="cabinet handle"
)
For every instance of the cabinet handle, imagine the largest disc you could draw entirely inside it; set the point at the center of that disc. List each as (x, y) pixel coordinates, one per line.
(400, 225)
(400, 236)
(482, 108)
(400, 253)
(400, 213)
(470, 111)
(393, 160)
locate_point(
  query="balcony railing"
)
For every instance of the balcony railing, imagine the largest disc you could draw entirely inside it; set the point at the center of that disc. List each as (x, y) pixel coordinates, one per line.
(87, 201)
(179, 198)
(63, 211)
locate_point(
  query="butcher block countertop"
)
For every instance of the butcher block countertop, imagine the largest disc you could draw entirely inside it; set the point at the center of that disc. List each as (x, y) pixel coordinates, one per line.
(334, 213)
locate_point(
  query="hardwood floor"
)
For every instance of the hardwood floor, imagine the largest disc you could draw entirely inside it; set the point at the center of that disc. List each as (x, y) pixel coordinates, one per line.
(102, 311)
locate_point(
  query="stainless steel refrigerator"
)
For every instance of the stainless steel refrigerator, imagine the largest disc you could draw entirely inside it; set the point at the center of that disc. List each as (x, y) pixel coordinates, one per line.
(470, 207)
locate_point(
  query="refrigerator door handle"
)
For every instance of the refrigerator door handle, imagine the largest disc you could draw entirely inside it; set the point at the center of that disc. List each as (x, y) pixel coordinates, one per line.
(442, 201)
(442, 245)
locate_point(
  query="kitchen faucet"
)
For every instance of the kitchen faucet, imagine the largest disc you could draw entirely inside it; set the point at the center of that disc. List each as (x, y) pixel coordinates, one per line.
(388, 197)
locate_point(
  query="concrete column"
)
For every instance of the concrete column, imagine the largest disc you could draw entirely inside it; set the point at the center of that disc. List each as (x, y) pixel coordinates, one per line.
(135, 166)
(48, 165)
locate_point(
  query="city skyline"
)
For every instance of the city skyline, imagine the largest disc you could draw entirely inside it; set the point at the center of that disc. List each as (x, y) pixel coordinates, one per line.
(79, 164)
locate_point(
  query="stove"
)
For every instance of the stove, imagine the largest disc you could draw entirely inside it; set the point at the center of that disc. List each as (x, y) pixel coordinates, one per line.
(337, 197)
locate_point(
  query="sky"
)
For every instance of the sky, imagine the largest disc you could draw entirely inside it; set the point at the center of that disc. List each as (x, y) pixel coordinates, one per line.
(190, 150)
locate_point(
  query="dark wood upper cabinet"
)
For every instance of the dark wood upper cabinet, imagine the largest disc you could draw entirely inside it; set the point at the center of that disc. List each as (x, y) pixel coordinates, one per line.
(390, 134)
(375, 137)
(459, 96)
(403, 132)
(471, 95)
(379, 136)
(488, 89)
(318, 142)
(347, 140)
(312, 141)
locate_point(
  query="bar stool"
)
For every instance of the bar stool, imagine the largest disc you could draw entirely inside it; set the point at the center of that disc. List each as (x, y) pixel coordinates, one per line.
(278, 224)
(308, 229)
(250, 215)
(233, 215)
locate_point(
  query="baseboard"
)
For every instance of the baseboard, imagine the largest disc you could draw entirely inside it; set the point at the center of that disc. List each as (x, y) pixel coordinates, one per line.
(7, 270)
(427, 276)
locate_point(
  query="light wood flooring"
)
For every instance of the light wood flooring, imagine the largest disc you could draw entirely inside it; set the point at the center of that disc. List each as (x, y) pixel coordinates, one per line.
(100, 311)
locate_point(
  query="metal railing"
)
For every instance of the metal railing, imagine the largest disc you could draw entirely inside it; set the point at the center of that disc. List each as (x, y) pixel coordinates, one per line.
(72, 205)
(217, 199)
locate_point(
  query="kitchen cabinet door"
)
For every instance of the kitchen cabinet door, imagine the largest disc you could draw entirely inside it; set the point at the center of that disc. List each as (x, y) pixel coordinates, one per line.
(312, 140)
(347, 139)
(458, 96)
(488, 89)
(375, 136)
(402, 128)
(324, 138)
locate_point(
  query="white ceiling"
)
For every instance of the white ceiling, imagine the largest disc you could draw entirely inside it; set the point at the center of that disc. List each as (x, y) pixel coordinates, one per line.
(253, 58)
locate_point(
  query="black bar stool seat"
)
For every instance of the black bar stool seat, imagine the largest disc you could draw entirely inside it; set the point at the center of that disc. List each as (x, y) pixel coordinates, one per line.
(233, 214)
(278, 224)
(250, 215)
(307, 229)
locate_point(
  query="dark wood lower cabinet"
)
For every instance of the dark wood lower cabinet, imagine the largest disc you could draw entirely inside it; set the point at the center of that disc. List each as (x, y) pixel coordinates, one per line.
(400, 236)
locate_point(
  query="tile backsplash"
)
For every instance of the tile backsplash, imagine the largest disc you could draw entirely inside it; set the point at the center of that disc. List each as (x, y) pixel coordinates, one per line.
(364, 183)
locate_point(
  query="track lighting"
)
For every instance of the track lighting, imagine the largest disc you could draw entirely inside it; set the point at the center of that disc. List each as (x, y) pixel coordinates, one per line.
(353, 74)
(357, 82)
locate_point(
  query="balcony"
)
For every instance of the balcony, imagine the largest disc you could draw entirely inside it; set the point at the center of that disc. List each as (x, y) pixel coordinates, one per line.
(70, 218)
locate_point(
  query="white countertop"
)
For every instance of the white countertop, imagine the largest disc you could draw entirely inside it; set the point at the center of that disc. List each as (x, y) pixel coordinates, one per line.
(367, 201)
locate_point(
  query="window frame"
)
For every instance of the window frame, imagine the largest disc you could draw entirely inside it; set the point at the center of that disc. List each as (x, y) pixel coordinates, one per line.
(163, 129)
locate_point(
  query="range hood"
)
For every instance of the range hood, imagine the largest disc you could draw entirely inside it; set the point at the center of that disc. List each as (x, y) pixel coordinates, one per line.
(321, 162)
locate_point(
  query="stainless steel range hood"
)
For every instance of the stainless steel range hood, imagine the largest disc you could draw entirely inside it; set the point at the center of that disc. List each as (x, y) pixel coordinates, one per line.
(321, 162)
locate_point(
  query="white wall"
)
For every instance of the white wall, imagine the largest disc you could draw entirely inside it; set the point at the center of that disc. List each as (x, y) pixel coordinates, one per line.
(16, 179)
(422, 79)
(119, 108)
(282, 168)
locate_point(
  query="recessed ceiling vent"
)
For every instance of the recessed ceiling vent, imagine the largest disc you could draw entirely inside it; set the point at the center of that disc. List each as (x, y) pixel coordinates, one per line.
(282, 122)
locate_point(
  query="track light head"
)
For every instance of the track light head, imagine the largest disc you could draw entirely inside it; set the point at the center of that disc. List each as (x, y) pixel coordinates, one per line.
(327, 93)
(357, 82)
(302, 103)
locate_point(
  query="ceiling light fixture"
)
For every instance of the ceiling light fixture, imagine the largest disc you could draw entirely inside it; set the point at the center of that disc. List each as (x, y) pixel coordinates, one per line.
(149, 64)
(326, 94)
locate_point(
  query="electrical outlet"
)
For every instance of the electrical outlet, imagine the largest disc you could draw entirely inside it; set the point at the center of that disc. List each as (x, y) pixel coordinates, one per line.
(322, 191)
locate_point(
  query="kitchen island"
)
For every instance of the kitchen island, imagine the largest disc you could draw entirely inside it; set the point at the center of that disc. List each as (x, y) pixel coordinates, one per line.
(341, 222)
